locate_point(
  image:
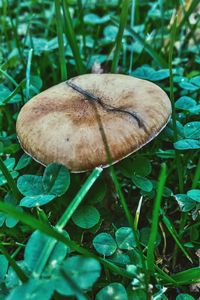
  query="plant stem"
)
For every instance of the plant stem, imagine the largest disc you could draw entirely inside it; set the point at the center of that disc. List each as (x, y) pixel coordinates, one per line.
(10, 180)
(8, 77)
(196, 177)
(78, 198)
(72, 38)
(155, 217)
(28, 72)
(179, 164)
(21, 275)
(177, 154)
(81, 18)
(63, 68)
(133, 7)
(137, 214)
(118, 42)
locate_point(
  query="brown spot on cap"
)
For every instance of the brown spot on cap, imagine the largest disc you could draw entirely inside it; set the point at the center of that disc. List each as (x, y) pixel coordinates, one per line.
(60, 124)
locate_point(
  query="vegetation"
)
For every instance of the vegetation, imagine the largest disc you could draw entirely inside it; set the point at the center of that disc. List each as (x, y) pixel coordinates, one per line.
(129, 232)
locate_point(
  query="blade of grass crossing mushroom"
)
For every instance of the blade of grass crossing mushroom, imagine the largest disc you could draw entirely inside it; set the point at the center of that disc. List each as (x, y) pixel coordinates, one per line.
(155, 218)
(13, 264)
(71, 37)
(61, 49)
(49, 246)
(118, 41)
(112, 171)
(120, 193)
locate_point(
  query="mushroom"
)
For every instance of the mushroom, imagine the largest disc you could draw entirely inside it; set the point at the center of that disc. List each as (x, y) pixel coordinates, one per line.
(69, 122)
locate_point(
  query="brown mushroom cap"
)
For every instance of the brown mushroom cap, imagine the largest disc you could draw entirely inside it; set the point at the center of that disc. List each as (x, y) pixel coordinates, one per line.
(61, 124)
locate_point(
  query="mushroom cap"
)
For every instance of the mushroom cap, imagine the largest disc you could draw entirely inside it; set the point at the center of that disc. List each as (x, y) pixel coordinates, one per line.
(62, 125)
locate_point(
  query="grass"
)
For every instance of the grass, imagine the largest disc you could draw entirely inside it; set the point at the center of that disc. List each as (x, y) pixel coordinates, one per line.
(147, 248)
(60, 41)
(71, 37)
(155, 218)
(122, 25)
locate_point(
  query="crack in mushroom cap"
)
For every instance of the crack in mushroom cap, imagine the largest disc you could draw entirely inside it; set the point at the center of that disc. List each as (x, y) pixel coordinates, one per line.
(60, 125)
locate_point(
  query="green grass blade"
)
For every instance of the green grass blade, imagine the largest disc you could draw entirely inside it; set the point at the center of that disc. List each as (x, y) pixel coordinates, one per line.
(8, 77)
(188, 276)
(13, 264)
(4, 16)
(137, 214)
(50, 231)
(122, 199)
(49, 246)
(17, 40)
(81, 18)
(133, 10)
(174, 234)
(118, 41)
(19, 87)
(196, 177)
(195, 225)
(61, 49)
(78, 198)
(155, 217)
(167, 279)
(11, 183)
(172, 41)
(28, 73)
(130, 220)
(179, 165)
(71, 37)
(161, 6)
(177, 155)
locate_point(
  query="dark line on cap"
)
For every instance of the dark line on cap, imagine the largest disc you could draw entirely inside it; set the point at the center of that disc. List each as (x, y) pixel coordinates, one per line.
(105, 106)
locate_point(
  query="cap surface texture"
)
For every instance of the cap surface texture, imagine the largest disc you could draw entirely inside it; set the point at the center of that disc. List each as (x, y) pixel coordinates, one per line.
(67, 122)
